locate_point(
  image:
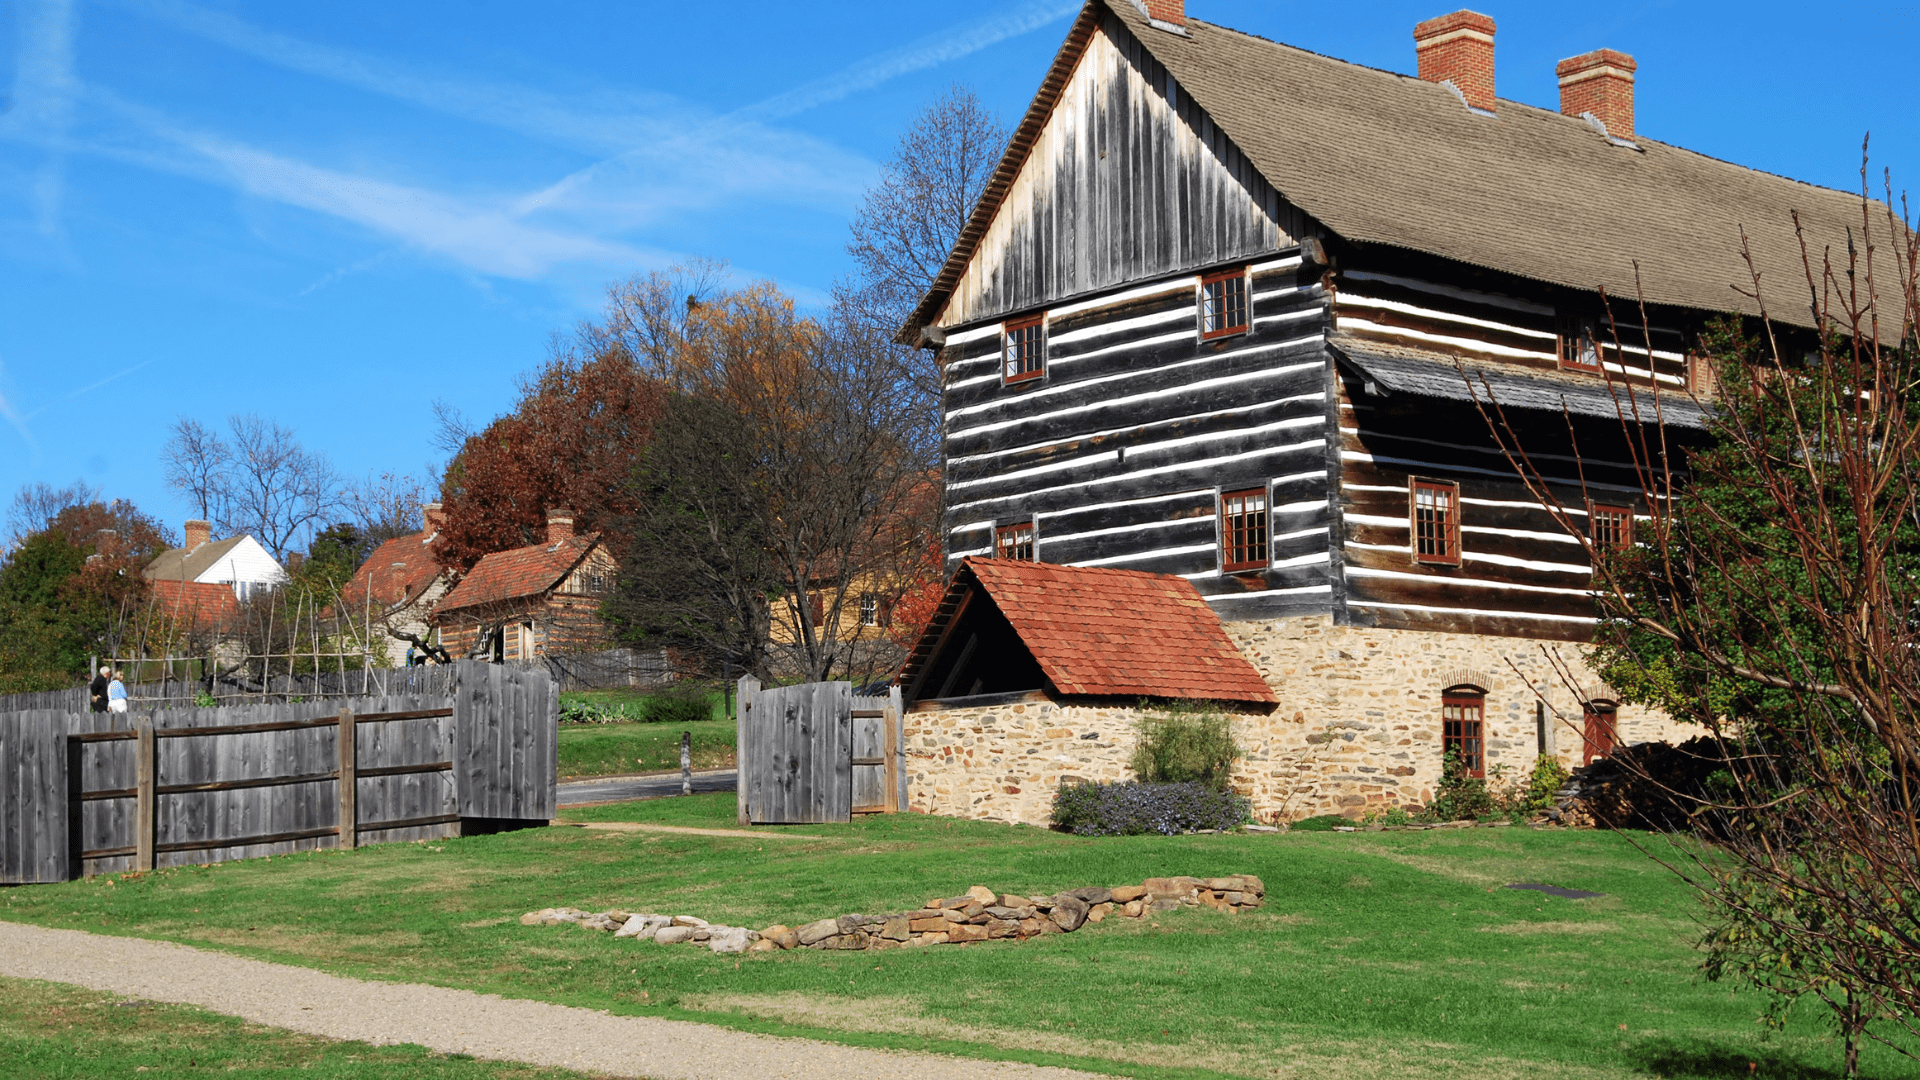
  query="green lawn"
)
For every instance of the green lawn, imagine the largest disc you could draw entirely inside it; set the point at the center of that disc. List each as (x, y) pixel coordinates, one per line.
(617, 749)
(1377, 955)
(54, 1032)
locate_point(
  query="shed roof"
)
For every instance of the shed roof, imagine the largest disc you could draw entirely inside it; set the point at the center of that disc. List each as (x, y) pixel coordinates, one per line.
(1384, 158)
(1407, 370)
(518, 574)
(1102, 632)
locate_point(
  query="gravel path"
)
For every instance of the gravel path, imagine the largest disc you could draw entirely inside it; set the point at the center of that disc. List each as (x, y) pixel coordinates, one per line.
(459, 1021)
(622, 788)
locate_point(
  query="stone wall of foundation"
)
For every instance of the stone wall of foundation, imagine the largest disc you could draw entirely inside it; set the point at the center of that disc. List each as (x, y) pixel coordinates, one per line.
(1357, 728)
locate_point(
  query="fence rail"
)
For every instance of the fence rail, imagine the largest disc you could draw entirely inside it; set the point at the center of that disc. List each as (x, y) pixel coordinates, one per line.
(611, 668)
(84, 793)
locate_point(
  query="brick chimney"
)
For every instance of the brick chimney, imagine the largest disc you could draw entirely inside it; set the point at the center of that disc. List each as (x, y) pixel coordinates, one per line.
(197, 533)
(559, 526)
(1601, 83)
(432, 517)
(1172, 12)
(1458, 48)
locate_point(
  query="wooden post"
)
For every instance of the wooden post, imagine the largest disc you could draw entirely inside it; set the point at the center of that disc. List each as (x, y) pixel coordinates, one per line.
(143, 783)
(349, 784)
(890, 753)
(686, 763)
(742, 702)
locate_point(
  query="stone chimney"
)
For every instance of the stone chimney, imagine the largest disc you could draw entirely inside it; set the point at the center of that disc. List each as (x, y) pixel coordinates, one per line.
(1458, 49)
(197, 533)
(1599, 83)
(432, 517)
(1171, 12)
(294, 559)
(559, 526)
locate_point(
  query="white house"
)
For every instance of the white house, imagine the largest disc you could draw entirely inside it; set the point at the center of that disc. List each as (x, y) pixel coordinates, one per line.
(239, 562)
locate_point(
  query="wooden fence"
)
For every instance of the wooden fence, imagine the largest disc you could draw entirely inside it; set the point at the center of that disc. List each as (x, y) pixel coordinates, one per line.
(175, 693)
(87, 793)
(817, 752)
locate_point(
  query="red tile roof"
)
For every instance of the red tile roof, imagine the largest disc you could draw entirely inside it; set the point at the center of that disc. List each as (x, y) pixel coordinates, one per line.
(517, 574)
(200, 604)
(397, 571)
(1107, 633)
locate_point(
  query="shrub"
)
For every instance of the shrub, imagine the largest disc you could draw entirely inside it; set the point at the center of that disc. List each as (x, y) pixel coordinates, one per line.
(1185, 744)
(1547, 777)
(1134, 807)
(1461, 797)
(576, 711)
(679, 703)
(1319, 823)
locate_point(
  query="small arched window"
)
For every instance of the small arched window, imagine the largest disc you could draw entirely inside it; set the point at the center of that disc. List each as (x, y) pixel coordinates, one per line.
(1463, 711)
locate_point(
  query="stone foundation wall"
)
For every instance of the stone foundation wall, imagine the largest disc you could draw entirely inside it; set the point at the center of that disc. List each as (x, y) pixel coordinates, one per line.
(1357, 728)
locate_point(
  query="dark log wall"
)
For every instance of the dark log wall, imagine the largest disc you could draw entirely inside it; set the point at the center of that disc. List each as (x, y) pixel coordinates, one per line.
(1119, 453)
(1128, 181)
(1520, 573)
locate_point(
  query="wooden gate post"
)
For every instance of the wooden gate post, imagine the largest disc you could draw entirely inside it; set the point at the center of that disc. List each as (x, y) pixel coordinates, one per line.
(143, 786)
(749, 688)
(349, 782)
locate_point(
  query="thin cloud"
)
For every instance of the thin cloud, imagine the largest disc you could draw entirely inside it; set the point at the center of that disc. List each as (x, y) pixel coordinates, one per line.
(42, 108)
(85, 390)
(13, 417)
(930, 51)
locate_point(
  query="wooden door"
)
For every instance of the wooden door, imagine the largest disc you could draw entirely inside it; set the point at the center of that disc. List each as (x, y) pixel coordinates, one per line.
(872, 746)
(796, 754)
(1601, 734)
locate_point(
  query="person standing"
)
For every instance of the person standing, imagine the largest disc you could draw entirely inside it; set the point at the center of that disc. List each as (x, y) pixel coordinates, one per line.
(116, 694)
(97, 690)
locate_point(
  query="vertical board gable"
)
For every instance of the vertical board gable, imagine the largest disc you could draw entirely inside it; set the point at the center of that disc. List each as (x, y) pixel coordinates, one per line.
(1128, 180)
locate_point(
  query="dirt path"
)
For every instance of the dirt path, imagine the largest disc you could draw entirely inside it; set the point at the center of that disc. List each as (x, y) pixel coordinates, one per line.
(459, 1021)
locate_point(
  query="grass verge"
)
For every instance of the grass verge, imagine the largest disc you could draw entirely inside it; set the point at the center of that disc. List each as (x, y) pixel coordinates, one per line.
(619, 749)
(53, 1032)
(1377, 955)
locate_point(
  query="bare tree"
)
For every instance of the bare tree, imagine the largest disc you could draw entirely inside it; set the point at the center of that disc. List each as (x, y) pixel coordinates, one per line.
(36, 505)
(906, 227)
(262, 482)
(451, 428)
(384, 507)
(197, 461)
(1773, 598)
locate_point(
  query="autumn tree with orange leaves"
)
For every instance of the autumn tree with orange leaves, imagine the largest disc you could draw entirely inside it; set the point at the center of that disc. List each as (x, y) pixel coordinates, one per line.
(798, 424)
(573, 441)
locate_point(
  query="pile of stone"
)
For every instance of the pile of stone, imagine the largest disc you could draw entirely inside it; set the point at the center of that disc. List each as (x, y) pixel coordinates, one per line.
(979, 914)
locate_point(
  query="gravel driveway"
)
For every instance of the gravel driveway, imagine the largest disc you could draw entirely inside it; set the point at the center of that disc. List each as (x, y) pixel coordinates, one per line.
(459, 1021)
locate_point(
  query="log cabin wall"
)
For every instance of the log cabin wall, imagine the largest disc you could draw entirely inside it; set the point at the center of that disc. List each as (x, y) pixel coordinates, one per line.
(1519, 574)
(1128, 181)
(1118, 454)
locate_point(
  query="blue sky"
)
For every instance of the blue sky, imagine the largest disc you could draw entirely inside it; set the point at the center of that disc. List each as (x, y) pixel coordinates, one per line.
(332, 214)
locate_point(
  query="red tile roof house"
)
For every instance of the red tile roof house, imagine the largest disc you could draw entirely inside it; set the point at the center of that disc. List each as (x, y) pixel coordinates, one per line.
(530, 602)
(397, 589)
(1031, 675)
(201, 584)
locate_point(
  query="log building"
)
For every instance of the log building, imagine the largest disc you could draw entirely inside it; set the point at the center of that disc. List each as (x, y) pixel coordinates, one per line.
(1223, 313)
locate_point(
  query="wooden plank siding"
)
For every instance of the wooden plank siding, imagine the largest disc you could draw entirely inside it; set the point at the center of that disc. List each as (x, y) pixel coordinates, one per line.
(1128, 180)
(1118, 452)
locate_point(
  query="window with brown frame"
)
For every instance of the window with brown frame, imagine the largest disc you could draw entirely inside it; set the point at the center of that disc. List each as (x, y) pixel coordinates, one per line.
(1463, 728)
(1436, 521)
(1024, 356)
(1580, 344)
(1610, 527)
(1014, 541)
(1243, 530)
(1223, 304)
